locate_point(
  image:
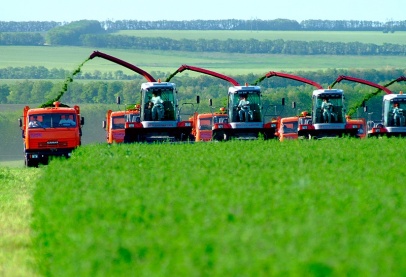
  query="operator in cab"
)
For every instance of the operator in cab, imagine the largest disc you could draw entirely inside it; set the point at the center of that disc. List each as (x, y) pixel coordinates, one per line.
(398, 118)
(244, 108)
(34, 122)
(326, 108)
(158, 107)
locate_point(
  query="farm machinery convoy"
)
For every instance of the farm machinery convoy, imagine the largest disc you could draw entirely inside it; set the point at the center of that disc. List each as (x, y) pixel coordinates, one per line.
(160, 121)
(328, 116)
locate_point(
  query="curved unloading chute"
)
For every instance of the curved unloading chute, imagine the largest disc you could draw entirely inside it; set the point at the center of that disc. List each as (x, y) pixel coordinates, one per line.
(204, 71)
(287, 76)
(354, 108)
(361, 81)
(132, 67)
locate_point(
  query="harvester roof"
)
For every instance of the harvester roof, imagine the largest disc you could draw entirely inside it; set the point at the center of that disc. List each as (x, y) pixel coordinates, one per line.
(328, 93)
(157, 85)
(244, 89)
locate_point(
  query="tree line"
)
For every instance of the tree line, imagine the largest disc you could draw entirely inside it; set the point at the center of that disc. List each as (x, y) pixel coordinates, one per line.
(222, 24)
(252, 46)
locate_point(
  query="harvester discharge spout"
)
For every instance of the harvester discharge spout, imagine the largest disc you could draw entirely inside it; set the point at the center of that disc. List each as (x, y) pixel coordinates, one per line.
(132, 67)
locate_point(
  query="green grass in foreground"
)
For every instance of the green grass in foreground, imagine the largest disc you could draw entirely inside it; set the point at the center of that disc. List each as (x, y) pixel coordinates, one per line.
(16, 189)
(263, 208)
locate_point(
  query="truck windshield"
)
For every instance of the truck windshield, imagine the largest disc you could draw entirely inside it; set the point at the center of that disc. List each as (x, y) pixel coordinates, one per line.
(290, 127)
(205, 123)
(118, 122)
(54, 120)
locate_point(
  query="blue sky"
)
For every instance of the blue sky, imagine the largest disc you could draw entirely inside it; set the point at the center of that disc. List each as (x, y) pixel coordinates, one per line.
(71, 10)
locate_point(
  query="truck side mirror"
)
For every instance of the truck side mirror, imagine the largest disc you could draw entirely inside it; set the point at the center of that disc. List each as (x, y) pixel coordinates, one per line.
(365, 109)
(293, 105)
(197, 99)
(283, 101)
(20, 122)
(82, 121)
(118, 100)
(210, 102)
(104, 124)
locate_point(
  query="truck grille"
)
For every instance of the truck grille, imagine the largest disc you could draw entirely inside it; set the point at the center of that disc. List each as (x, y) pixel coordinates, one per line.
(52, 144)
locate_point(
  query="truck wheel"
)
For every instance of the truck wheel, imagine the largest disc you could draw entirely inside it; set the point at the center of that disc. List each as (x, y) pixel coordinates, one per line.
(29, 163)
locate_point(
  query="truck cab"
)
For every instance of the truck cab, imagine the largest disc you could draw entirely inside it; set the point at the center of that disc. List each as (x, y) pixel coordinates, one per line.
(288, 128)
(203, 124)
(115, 124)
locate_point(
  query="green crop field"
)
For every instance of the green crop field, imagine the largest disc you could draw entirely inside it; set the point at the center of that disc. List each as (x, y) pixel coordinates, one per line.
(378, 38)
(70, 58)
(259, 208)
(17, 185)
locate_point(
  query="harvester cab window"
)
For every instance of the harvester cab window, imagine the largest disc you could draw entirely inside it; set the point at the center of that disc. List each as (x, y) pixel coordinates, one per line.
(394, 113)
(159, 104)
(328, 108)
(253, 111)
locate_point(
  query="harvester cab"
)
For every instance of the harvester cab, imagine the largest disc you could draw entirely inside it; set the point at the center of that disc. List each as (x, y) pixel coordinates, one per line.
(328, 116)
(158, 109)
(387, 125)
(245, 115)
(244, 121)
(393, 121)
(393, 115)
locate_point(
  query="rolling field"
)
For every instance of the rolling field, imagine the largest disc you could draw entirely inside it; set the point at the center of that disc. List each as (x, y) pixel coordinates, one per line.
(70, 58)
(378, 38)
(262, 208)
